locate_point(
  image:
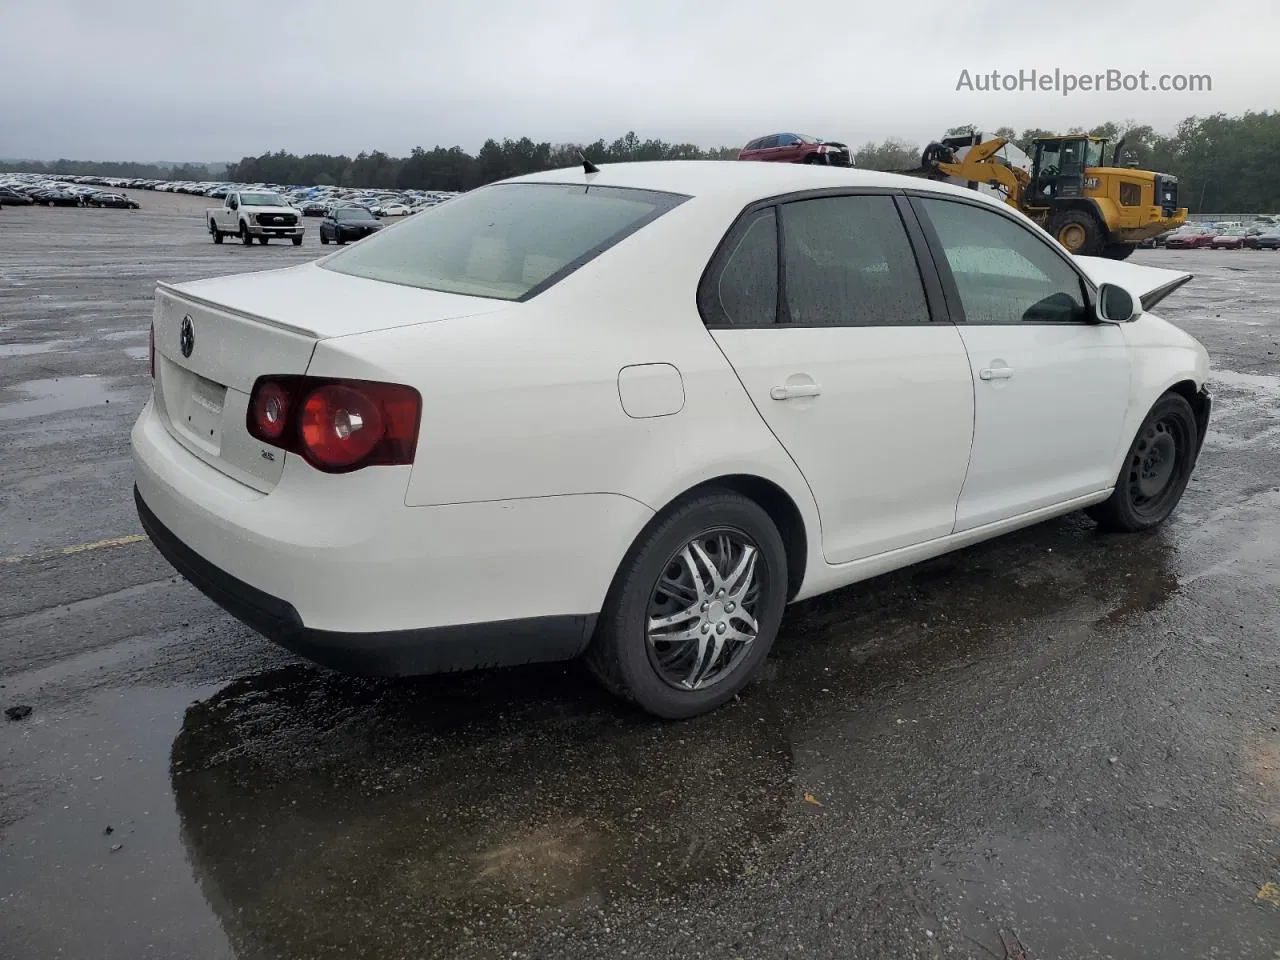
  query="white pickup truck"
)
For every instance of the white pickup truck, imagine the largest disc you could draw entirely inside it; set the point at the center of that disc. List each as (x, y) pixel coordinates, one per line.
(250, 214)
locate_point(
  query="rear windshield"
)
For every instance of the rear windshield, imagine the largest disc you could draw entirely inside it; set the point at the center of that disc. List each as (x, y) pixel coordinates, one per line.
(508, 241)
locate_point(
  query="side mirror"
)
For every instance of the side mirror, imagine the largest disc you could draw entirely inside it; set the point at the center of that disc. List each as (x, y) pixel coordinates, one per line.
(1115, 304)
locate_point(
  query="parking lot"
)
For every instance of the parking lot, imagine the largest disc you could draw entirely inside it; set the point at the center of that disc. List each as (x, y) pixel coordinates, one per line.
(1056, 744)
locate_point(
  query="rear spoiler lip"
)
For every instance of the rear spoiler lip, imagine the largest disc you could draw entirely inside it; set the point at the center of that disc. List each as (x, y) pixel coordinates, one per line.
(176, 292)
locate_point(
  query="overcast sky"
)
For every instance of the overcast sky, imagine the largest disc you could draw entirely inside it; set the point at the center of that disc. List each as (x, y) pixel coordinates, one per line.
(166, 80)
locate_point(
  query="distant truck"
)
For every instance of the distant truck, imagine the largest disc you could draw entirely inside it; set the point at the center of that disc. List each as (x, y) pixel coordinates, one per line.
(254, 214)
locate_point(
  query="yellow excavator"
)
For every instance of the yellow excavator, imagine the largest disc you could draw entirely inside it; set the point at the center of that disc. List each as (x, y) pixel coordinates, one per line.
(1090, 208)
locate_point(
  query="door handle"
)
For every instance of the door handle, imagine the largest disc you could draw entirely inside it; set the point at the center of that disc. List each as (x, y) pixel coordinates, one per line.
(996, 373)
(791, 391)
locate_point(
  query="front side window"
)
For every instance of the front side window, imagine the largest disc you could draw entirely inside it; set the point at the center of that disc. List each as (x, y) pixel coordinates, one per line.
(1130, 195)
(506, 241)
(1004, 272)
(847, 262)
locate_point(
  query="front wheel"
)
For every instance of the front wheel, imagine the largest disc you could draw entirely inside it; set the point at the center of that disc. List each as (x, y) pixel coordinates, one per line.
(323, 238)
(297, 241)
(262, 241)
(245, 236)
(1155, 471)
(694, 607)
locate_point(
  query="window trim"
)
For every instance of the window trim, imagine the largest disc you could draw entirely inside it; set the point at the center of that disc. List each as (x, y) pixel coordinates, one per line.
(952, 290)
(923, 257)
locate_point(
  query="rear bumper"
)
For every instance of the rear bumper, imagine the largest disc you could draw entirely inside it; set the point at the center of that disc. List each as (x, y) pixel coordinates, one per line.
(381, 653)
(339, 569)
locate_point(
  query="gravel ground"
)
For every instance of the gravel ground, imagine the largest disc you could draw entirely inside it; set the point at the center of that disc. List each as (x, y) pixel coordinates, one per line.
(1055, 745)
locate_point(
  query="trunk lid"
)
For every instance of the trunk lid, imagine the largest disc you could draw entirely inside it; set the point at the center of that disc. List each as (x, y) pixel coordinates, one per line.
(242, 327)
(1149, 284)
(318, 303)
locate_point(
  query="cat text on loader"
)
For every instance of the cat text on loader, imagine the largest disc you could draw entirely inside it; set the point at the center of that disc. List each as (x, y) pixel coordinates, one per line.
(1091, 209)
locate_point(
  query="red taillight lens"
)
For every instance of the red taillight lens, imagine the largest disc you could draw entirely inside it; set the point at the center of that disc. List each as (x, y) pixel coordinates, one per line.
(152, 351)
(340, 426)
(269, 411)
(336, 425)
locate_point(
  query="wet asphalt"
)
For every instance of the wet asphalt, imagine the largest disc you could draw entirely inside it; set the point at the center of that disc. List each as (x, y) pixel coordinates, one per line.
(1059, 744)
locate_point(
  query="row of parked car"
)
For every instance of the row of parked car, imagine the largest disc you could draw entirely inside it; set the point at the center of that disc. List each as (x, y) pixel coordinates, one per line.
(25, 192)
(1261, 234)
(73, 191)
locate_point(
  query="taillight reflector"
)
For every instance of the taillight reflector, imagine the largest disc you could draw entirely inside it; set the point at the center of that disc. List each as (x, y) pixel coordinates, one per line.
(336, 425)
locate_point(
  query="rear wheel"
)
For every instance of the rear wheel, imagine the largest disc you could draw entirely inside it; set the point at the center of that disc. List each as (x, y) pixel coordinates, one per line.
(1077, 230)
(215, 232)
(1155, 470)
(694, 607)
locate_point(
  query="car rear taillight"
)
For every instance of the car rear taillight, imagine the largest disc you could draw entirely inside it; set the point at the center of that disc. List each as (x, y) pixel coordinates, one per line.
(151, 353)
(336, 425)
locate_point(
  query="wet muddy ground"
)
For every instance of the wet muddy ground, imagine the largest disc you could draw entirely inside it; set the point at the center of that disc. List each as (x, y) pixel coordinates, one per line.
(1056, 745)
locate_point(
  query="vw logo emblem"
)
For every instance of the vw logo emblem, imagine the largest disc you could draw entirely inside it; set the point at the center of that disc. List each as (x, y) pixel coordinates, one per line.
(187, 338)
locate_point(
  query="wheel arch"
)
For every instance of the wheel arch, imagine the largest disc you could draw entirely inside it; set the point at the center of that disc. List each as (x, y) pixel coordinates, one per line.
(770, 497)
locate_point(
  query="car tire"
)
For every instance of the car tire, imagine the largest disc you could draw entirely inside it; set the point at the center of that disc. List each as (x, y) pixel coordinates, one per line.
(297, 241)
(262, 241)
(1155, 471)
(215, 232)
(337, 238)
(1077, 230)
(693, 672)
(245, 236)
(323, 238)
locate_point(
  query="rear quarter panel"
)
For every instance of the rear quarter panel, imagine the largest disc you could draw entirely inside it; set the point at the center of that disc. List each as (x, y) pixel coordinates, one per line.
(524, 402)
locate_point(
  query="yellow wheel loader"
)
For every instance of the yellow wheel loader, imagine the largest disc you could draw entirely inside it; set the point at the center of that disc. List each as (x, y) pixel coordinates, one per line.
(1090, 208)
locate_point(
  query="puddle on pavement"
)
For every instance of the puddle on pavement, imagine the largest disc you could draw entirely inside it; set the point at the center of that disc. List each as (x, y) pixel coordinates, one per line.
(38, 398)
(29, 349)
(1262, 382)
(327, 814)
(451, 808)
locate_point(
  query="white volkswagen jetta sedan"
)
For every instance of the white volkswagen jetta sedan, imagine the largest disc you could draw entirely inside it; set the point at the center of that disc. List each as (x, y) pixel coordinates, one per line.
(634, 412)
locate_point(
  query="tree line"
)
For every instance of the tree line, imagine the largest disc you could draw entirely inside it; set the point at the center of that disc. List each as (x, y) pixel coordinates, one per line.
(1223, 163)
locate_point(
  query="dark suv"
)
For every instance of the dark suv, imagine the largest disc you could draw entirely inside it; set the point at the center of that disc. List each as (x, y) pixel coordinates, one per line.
(796, 148)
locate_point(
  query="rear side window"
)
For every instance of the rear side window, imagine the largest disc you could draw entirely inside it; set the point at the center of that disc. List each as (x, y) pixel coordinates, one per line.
(509, 241)
(745, 292)
(847, 262)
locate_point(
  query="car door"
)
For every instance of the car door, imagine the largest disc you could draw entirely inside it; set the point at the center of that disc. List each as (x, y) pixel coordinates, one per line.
(820, 306)
(1051, 383)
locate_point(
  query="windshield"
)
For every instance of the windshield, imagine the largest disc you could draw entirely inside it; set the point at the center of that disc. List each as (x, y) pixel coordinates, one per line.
(262, 200)
(352, 213)
(505, 241)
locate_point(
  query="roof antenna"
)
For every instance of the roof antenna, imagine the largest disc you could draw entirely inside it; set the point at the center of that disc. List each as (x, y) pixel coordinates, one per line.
(587, 165)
